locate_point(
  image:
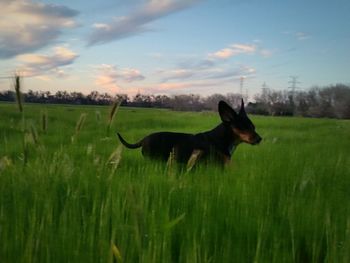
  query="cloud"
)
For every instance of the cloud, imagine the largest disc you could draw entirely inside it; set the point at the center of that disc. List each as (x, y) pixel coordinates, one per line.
(203, 69)
(241, 71)
(239, 49)
(172, 87)
(193, 86)
(180, 73)
(302, 35)
(233, 50)
(187, 73)
(137, 22)
(186, 79)
(266, 53)
(128, 80)
(110, 77)
(26, 26)
(36, 65)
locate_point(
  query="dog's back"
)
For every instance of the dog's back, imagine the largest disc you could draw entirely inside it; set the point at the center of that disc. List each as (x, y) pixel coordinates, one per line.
(159, 145)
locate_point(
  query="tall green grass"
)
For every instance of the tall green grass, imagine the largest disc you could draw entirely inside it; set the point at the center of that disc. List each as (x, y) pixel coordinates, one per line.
(89, 200)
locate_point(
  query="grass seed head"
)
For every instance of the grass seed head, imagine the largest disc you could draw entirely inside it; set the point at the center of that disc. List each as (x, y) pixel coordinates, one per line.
(17, 85)
(115, 157)
(5, 162)
(44, 121)
(193, 159)
(171, 163)
(113, 112)
(98, 116)
(80, 123)
(79, 126)
(34, 133)
(116, 253)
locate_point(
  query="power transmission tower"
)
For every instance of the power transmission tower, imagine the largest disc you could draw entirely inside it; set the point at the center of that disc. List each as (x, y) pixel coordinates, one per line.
(264, 87)
(294, 82)
(264, 91)
(241, 86)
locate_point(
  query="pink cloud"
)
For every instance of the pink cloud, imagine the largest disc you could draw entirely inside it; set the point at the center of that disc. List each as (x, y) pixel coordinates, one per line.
(233, 50)
(42, 65)
(110, 77)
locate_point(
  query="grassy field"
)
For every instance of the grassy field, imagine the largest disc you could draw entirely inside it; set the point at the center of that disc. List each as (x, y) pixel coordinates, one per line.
(69, 193)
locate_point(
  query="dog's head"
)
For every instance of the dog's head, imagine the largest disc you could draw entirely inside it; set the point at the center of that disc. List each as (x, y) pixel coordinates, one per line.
(240, 124)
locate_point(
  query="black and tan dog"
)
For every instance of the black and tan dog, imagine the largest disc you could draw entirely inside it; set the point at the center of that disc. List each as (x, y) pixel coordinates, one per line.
(215, 145)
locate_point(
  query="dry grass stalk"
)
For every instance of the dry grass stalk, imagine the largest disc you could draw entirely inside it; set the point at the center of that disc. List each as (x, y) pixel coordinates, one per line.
(115, 157)
(17, 84)
(113, 112)
(171, 163)
(27, 141)
(193, 159)
(5, 162)
(116, 253)
(44, 121)
(79, 126)
(34, 133)
(89, 149)
(80, 123)
(98, 116)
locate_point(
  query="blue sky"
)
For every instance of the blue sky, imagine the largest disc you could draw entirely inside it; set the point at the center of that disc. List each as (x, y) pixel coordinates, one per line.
(173, 46)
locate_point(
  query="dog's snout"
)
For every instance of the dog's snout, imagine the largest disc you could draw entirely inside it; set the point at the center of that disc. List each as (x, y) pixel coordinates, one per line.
(258, 139)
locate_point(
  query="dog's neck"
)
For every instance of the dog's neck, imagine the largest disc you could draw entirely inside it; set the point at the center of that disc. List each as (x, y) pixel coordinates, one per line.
(223, 136)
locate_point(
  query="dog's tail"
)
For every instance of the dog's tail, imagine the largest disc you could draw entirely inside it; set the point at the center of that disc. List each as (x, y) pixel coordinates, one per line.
(128, 145)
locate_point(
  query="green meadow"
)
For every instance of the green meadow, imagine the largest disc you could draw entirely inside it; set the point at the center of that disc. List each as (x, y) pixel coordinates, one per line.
(69, 192)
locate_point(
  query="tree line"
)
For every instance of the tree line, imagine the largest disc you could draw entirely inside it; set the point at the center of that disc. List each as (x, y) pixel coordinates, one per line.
(330, 101)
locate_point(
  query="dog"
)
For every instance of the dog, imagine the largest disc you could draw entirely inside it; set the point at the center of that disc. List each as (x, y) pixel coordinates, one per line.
(216, 145)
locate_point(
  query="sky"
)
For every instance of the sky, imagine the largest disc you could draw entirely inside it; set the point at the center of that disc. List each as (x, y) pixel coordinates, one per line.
(174, 46)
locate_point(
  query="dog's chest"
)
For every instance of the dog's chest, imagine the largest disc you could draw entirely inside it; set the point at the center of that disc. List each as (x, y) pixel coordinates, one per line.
(231, 149)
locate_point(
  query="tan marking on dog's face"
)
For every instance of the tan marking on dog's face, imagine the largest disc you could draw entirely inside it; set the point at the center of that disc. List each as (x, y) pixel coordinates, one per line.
(245, 136)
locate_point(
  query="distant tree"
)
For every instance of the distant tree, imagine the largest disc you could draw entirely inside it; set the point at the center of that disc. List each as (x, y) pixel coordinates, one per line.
(235, 99)
(123, 97)
(211, 102)
(7, 95)
(302, 105)
(162, 101)
(341, 99)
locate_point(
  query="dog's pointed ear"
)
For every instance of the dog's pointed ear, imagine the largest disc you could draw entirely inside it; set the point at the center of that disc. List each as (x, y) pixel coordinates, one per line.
(227, 114)
(242, 109)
